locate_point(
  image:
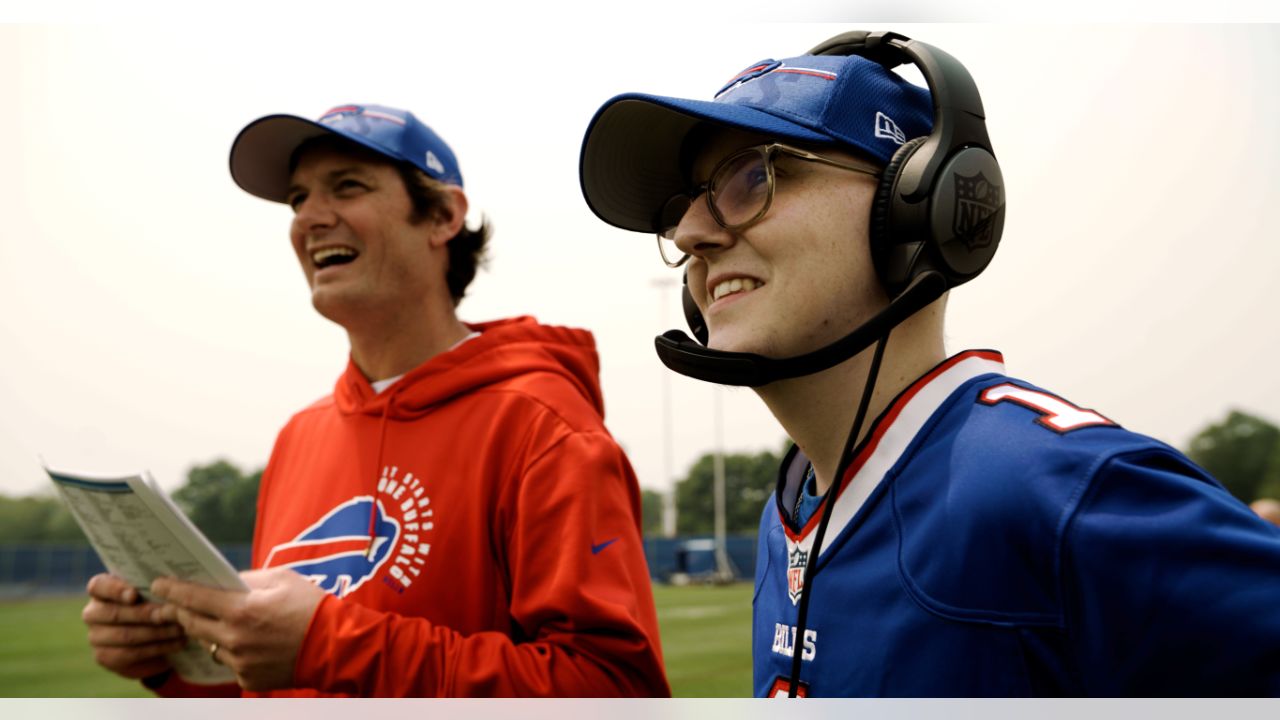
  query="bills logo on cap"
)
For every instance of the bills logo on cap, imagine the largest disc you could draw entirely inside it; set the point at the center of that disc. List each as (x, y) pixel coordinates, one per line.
(761, 68)
(343, 112)
(337, 553)
(333, 115)
(765, 67)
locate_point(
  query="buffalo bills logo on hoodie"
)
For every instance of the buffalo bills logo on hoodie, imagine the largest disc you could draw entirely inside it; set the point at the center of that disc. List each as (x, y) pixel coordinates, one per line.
(343, 550)
(335, 551)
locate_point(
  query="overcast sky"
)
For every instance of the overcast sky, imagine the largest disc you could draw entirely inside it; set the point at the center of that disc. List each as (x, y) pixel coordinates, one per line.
(154, 315)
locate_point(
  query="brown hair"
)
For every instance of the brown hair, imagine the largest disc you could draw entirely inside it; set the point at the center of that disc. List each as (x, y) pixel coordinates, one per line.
(466, 249)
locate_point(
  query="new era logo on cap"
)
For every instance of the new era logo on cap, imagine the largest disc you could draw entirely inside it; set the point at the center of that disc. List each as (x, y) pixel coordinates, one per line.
(434, 163)
(888, 129)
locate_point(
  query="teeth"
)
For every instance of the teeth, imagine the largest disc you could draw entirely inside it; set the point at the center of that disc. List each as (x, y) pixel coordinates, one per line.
(729, 287)
(322, 256)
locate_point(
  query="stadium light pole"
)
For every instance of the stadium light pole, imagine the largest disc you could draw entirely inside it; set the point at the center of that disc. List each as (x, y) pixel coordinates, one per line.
(664, 285)
(724, 570)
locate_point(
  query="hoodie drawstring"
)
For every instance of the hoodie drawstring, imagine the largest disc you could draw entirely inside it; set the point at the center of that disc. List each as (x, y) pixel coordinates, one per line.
(377, 474)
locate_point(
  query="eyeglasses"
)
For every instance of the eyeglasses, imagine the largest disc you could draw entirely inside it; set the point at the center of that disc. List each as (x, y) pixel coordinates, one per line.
(738, 193)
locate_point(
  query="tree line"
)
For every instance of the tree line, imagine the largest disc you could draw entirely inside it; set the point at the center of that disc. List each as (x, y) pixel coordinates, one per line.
(1242, 451)
(219, 498)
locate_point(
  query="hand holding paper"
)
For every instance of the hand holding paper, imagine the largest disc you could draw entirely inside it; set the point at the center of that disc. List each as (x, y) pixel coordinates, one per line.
(141, 535)
(125, 637)
(258, 633)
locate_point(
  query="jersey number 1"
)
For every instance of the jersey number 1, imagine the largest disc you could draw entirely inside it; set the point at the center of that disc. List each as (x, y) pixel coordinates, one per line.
(1055, 413)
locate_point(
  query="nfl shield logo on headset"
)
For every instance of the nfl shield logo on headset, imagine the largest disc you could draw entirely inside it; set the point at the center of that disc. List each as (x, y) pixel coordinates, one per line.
(977, 200)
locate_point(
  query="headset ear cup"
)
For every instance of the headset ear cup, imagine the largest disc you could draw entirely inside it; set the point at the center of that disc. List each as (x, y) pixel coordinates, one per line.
(966, 214)
(692, 315)
(893, 266)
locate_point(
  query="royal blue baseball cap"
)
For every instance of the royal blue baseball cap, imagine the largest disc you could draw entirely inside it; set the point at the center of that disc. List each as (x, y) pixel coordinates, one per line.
(261, 152)
(632, 152)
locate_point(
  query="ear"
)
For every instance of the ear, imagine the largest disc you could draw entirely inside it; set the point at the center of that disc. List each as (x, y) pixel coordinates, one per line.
(451, 215)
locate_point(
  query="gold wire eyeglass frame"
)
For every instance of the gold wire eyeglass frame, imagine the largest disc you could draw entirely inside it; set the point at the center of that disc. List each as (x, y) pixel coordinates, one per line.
(766, 151)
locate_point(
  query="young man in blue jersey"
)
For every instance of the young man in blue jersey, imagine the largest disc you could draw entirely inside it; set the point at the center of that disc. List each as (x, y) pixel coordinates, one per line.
(940, 528)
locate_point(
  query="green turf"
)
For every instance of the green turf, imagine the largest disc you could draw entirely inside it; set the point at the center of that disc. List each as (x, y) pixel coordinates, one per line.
(44, 653)
(706, 638)
(706, 635)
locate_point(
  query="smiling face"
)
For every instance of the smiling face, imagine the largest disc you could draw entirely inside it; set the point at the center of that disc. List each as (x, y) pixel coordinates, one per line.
(365, 260)
(797, 279)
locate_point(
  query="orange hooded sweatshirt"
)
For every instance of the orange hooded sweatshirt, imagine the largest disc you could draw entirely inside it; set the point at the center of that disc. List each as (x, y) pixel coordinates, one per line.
(503, 557)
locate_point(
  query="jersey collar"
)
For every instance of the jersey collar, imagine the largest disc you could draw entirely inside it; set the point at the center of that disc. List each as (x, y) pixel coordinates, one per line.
(892, 432)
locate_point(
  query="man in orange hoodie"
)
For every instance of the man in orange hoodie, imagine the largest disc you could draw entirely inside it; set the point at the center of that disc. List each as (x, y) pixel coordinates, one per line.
(454, 519)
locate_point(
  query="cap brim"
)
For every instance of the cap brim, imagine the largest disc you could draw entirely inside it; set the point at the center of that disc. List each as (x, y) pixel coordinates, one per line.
(261, 152)
(630, 162)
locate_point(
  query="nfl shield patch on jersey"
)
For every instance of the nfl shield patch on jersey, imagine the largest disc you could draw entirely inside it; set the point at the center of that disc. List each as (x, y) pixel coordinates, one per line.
(797, 560)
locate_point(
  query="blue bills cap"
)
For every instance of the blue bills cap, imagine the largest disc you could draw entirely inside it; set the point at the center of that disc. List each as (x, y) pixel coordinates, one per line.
(631, 161)
(262, 151)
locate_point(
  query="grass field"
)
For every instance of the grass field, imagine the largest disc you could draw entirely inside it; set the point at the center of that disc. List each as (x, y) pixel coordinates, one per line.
(706, 634)
(43, 653)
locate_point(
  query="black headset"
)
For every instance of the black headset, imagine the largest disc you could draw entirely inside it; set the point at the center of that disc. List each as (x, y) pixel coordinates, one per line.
(936, 220)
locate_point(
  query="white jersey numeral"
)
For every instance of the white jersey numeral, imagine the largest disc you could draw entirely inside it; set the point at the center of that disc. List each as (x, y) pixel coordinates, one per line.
(1055, 413)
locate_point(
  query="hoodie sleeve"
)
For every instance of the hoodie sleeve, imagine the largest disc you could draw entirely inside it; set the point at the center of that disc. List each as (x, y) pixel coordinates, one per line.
(582, 614)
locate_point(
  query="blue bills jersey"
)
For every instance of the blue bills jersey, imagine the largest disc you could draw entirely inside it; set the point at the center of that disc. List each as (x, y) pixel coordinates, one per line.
(992, 539)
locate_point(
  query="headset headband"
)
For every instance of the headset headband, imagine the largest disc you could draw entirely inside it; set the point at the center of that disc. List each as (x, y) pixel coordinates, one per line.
(958, 117)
